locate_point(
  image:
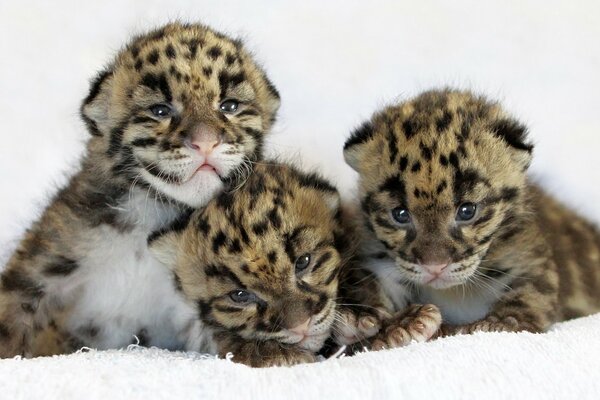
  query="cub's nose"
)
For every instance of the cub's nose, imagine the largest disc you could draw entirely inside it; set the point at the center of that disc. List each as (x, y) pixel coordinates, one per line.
(301, 329)
(435, 269)
(204, 139)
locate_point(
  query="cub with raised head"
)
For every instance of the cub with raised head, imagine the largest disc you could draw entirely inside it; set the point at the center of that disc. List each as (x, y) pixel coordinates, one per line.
(261, 266)
(450, 218)
(177, 116)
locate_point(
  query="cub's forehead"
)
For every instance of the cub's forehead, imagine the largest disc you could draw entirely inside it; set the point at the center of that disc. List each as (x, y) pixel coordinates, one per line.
(442, 144)
(437, 118)
(192, 57)
(175, 41)
(274, 201)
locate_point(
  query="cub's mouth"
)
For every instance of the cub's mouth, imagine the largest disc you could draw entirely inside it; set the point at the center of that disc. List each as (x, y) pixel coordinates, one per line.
(313, 333)
(206, 167)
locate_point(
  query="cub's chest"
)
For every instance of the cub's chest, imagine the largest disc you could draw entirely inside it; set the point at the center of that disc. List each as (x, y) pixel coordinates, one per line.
(459, 306)
(122, 295)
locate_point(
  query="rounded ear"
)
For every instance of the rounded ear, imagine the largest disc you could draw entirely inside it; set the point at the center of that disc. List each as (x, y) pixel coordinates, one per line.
(354, 147)
(514, 134)
(165, 246)
(94, 109)
(326, 190)
(273, 98)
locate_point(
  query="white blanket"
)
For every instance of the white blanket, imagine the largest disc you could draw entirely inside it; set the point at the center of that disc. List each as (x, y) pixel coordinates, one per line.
(561, 364)
(334, 62)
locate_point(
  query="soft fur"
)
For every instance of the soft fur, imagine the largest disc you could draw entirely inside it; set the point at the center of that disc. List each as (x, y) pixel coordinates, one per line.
(522, 262)
(250, 240)
(83, 275)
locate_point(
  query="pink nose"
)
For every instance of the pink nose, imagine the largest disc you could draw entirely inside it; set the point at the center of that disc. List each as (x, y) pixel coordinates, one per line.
(435, 269)
(301, 329)
(204, 139)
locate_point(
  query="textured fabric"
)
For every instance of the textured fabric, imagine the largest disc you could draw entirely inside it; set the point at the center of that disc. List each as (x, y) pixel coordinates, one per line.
(564, 363)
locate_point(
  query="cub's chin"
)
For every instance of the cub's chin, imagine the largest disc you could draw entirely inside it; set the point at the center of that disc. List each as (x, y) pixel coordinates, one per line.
(313, 343)
(441, 283)
(195, 192)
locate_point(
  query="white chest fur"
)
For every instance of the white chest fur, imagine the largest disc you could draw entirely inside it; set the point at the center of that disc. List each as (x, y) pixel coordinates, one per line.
(458, 305)
(120, 291)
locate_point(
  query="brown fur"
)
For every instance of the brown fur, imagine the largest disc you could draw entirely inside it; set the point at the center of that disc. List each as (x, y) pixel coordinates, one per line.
(250, 240)
(188, 66)
(523, 262)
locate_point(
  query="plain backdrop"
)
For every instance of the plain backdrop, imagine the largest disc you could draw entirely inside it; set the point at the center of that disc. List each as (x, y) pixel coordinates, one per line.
(334, 62)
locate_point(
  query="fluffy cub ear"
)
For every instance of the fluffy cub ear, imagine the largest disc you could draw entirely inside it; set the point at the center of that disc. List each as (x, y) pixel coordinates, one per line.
(94, 109)
(273, 99)
(165, 247)
(326, 190)
(354, 148)
(514, 134)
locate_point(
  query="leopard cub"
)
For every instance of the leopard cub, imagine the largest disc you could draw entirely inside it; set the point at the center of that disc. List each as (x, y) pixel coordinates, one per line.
(451, 218)
(178, 115)
(261, 266)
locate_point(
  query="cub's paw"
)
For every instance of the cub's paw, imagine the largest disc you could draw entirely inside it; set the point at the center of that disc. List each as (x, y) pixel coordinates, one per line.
(490, 324)
(353, 327)
(283, 356)
(417, 323)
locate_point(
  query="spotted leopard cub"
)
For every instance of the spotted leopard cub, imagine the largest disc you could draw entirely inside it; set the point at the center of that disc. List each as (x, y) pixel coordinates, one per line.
(451, 218)
(177, 116)
(261, 266)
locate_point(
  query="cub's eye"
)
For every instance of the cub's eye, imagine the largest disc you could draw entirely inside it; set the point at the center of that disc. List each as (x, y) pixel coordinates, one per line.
(242, 296)
(229, 106)
(466, 211)
(161, 110)
(302, 262)
(401, 215)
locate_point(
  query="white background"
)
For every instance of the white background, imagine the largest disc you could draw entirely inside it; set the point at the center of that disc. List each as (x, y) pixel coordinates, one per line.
(334, 62)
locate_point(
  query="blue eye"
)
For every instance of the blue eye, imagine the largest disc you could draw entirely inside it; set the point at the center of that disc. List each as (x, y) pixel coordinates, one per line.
(401, 215)
(242, 296)
(466, 212)
(161, 110)
(229, 106)
(302, 262)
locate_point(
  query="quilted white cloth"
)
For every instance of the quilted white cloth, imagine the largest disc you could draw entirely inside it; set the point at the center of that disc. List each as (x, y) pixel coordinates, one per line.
(561, 364)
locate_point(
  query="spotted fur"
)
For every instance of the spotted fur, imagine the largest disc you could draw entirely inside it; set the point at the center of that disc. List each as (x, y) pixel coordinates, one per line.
(247, 243)
(522, 262)
(86, 259)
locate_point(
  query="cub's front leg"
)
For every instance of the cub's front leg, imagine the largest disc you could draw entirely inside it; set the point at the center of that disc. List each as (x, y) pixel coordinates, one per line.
(362, 307)
(26, 284)
(20, 298)
(259, 354)
(15, 327)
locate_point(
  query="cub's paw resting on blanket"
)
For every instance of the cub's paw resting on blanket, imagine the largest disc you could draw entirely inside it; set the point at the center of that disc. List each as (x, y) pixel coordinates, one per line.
(352, 326)
(379, 331)
(492, 323)
(268, 353)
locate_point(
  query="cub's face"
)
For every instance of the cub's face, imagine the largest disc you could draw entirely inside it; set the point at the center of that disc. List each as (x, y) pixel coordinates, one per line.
(181, 109)
(262, 262)
(441, 178)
